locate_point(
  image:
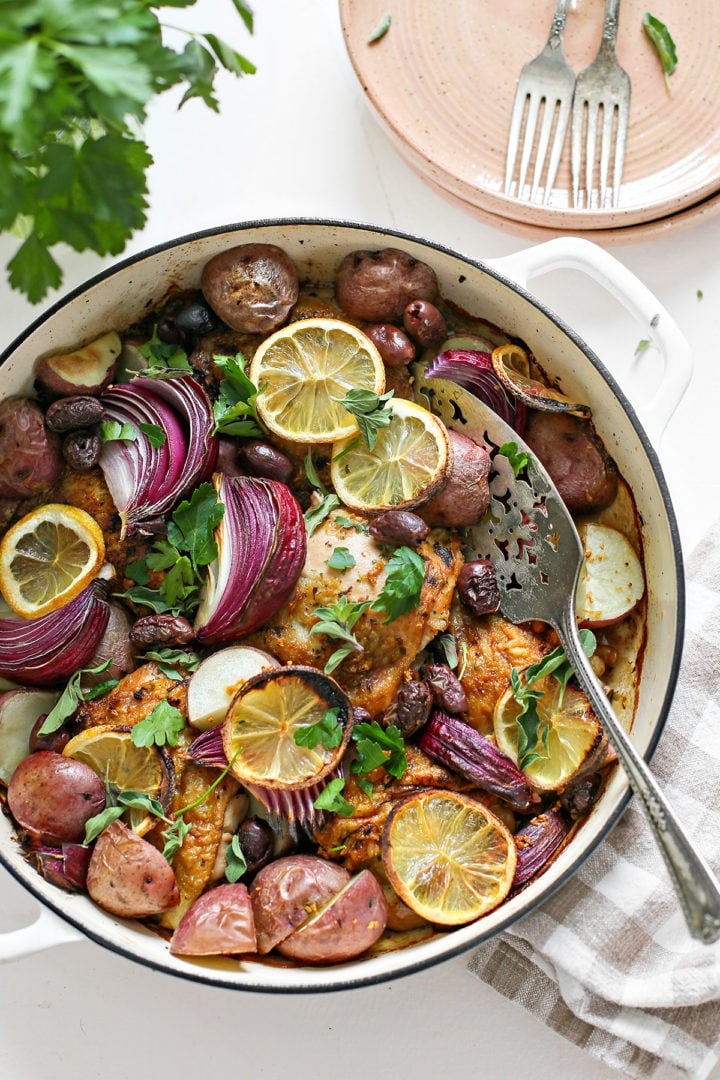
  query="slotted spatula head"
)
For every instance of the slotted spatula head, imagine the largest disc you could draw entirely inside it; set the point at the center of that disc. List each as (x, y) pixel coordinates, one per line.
(527, 532)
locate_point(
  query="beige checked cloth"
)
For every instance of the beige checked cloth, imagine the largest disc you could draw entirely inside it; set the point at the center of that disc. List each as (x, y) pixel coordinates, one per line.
(607, 962)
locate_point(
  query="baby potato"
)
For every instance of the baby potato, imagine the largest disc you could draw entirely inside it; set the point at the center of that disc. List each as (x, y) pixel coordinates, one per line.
(348, 925)
(128, 876)
(220, 922)
(285, 893)
(87, 370)
(53, 796)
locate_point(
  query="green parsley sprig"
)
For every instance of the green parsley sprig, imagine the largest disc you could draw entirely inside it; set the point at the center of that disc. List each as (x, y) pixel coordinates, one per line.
(76, 80)
(234, 410)
(518, 458)
(371, 411)
(163, 357)
(163, 725)
(73, 695)
(661, 38)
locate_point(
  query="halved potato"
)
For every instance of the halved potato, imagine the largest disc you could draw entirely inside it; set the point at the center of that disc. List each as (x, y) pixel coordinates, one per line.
(86, 370)
(350, 923)
(611, 578)
(217, 680)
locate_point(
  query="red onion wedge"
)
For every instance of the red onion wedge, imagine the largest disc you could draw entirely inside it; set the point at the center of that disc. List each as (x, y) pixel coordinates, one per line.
(48, 650)
(145, 480)
(261, 551)
(474, 370)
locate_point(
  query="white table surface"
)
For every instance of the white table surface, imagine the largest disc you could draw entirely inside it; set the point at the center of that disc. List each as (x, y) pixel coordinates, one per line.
(297, 140)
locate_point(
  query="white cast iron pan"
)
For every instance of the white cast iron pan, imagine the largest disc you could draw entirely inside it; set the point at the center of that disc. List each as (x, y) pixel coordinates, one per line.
(495, 291)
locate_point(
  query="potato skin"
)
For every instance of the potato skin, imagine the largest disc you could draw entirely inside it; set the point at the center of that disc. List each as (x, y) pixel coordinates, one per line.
(352, 922)
(465, 496)
(129, 877)
(53, 796)
(220, 922)
(30, 458)
(581, 469)
(377, 286)
(285, 893)
(251, 287)
(87, 370)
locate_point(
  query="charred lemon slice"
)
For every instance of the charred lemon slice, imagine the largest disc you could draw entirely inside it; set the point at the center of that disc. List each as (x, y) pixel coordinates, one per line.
(287, 728)
(447, 856)
(568, 734)
(123, 767)
(304, 371)
(512, 366)
(48, 557)
(409, 463)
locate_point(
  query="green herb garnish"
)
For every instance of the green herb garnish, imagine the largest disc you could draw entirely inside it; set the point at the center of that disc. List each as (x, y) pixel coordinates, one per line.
(661, 38)
(72, 696)
(77, 78)
(403, 585)
(337, 621)
(311, 474)
(317, 514)
(234, 410)
(163, 725)
(370, 410)
(518, 458)
(328, 731)
(236, 864)
(341, 559)
(163, 357)
(642, 346)
(174, 663)
(358, 526)
(381, 29)
(113, 430)
(375, 746)
(331, 798)
(119, 803)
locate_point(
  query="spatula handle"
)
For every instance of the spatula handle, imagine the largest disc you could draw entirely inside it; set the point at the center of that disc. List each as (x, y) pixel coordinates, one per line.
(694, 882)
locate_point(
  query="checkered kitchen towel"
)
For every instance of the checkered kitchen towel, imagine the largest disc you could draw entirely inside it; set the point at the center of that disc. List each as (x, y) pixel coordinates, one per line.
(607, 961)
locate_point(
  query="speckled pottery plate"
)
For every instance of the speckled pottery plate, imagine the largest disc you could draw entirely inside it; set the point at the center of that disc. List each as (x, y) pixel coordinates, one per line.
(442, 82)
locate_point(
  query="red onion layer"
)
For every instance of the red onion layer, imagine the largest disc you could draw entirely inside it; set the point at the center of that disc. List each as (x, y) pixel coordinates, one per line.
(261, 551)
(146, 481)
(474, 371)
(48, 650)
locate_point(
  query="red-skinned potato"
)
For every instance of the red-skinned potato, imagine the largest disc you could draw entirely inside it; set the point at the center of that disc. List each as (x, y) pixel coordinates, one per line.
(220, 922)
(611, 578)
(128, 876)
(348, 925)
(53, 796)
(285, 893)
(30, 458)
(465, 496)
(251, 287)
(87, 370)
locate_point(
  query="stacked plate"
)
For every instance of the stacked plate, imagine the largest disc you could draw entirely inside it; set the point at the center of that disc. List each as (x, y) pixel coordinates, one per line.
(442, 81)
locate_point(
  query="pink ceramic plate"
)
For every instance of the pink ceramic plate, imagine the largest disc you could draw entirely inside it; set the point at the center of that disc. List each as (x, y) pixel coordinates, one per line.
(442, 82)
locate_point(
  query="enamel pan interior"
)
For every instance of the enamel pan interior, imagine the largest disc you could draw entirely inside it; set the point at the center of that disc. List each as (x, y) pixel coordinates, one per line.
(119, 296)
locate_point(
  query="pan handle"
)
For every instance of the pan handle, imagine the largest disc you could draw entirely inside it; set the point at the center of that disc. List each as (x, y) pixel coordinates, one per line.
(575, 253)
(45, 933)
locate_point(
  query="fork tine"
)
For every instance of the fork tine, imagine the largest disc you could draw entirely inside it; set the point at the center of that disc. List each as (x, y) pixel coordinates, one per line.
(609, 114)
(557, 147)
(530, 126)
(620, 140)
(543, 142)
(590, 144)
(514, 139)
(576, 146)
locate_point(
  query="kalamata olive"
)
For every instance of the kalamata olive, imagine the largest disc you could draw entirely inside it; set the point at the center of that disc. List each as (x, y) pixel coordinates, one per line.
(577, 798)
(169, 332)
(446, 688)
(360, 715)
(264, 460)
(424, 323)
(251, 287)
(161, 630)
(378, 285)
(393, 344)
(81, 449)
(71, 413)
(56, 740)
(30, 458)
(195, 318)
(478, 588)
(227, 459)
(412, 708)
(399, 527)
(256, 840)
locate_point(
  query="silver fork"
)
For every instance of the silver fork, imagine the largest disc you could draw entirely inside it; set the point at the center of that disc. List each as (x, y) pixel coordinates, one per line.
(548, 80)
(602, 86)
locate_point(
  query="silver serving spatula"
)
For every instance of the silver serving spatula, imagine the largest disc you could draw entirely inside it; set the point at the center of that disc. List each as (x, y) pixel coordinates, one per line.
(531, 540)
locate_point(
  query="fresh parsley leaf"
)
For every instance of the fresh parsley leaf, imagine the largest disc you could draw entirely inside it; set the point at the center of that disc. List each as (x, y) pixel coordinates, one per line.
(328, 731)
(113, 430)
(661, 38)
(642, 346)
(337, 621)
(518, 458)
(72, 696)
(95, 825)
(174, 663)
(377, 745)
(193, 524)
(162, 725)
(403, 585)
(163, 356)
(100, 690)
(155, 435)
(236, 864)
(174, 837)
(341, 559)
(317, 514)
(370, 410)
(381, 29)
(358, 526)
(234, 410)
(331, 798)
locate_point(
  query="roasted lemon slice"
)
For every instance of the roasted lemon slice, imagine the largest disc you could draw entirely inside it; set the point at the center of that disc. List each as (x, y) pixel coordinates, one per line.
(569, 732)
(409, 463)
(304, 371)
(123, 766)
(447, 856)
(48, 557)
(512, 367)
(266, 732)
